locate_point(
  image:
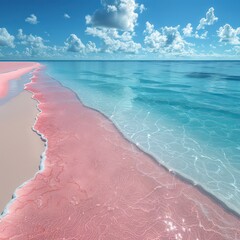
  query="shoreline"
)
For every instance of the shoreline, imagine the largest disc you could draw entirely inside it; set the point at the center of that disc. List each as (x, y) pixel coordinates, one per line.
(112, 168)
(176, 174)
(20, 165)
(21, 147)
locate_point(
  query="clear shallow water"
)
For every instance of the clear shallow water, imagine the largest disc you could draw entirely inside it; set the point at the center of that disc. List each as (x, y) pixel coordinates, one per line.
(185, 114)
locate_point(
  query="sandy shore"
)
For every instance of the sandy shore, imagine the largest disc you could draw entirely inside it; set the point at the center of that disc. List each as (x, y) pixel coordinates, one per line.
(6, 67)
(12, 71)
(20, 146)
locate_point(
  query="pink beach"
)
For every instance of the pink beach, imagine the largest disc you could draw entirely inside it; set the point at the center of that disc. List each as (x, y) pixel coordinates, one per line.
(119, 120)
(94, 184)
(11, 71)
(21, 148)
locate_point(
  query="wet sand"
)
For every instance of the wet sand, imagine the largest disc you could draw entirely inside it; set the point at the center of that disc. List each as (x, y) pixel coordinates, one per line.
(20, 147)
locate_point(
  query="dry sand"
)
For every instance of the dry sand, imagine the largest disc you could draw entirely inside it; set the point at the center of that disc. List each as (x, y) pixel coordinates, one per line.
(20, 147)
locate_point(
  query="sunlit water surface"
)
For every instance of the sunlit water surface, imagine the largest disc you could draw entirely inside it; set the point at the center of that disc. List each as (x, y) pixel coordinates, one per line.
(185, 114)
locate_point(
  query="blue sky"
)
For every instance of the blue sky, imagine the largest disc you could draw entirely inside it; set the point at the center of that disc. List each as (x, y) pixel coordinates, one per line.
(119, 29)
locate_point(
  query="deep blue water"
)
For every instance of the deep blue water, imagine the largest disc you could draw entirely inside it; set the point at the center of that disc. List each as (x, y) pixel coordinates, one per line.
(185, 114)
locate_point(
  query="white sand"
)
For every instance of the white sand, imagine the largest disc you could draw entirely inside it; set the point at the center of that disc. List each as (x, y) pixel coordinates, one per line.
(20, 147)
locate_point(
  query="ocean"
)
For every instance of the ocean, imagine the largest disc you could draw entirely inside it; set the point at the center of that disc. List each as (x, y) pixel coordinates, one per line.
(185, 114)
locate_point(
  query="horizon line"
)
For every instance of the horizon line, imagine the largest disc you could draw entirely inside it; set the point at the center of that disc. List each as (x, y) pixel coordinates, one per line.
(120, 60)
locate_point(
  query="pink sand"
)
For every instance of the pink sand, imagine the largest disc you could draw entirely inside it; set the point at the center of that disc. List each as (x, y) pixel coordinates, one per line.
(12, 71)
(97, 185)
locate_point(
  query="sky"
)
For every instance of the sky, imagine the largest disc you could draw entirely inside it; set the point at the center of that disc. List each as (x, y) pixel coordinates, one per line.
(119, 29)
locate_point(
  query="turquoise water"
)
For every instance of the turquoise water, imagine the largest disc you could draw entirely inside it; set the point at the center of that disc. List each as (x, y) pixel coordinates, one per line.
(185, 114)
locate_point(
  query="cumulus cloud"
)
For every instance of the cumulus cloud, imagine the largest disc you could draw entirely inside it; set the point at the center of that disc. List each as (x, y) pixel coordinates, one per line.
(202, 36)
(167, 41)
(34, 45)
(91, 47)
(114, 25)
(154, 40)
(119, 14)
(30, 40)
(228, 34)
(187, 31)
(74, 44)
(32, 19)
(209, 20)
(115, 41)
(66, 16)
(6, 39)
(142, 8)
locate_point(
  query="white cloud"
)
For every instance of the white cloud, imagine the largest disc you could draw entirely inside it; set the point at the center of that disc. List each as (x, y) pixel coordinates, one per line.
(35, 45)
(114, 41)
(91, 47)
(30, 40)
(32, 19)
(154, 40)
(142, 8)
(74, 44)
(202, 36)
(209, 20)
(111, 8)
(119, 14)
(114, 24)
(167, 41)
(228, 34)
(187, 31)
(46, 52)
(6, 39)
(66, 16)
